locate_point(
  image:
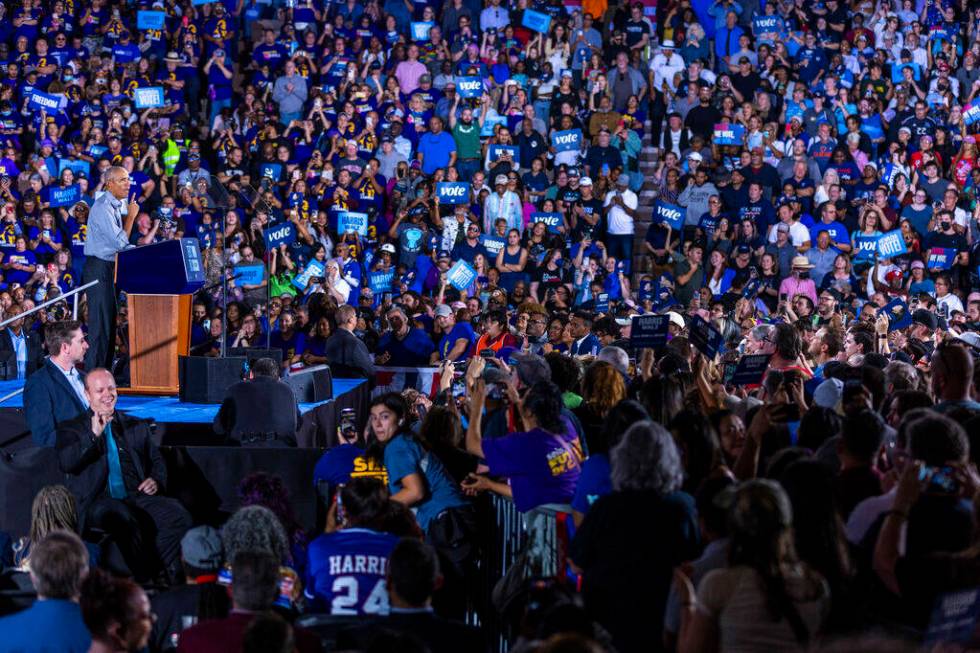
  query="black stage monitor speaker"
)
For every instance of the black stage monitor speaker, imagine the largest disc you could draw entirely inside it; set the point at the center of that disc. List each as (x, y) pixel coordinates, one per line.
(311, 384)
(255, 353)
(204, 380)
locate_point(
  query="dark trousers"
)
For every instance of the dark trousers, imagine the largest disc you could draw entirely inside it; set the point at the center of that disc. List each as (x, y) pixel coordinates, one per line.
(620, 246)
(101, 300)
(147, 530)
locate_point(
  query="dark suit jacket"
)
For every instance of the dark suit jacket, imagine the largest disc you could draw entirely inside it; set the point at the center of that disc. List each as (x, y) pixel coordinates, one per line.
(226, 635)
(35, 353)
(586, 348)
(82, 456)
(348, 356)
(49, 400)
(262, 406)
(438, 634)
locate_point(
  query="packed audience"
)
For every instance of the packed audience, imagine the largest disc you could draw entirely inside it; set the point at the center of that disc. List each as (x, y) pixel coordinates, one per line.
(692, 286)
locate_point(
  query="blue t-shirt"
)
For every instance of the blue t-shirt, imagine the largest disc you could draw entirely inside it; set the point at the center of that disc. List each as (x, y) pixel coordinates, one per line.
(344, 462)
(460, 330)
(346, 572)
(542, 467)
(435, 150)
(405, 456)
(413, 351)
(595, 482)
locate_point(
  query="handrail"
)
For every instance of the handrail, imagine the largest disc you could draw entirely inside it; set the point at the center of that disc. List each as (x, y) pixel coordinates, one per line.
(74, 292)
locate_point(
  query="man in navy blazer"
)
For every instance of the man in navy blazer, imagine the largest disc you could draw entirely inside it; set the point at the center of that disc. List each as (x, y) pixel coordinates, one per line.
(586, 343)
(55, 393)
(58, 563)
(14, 337)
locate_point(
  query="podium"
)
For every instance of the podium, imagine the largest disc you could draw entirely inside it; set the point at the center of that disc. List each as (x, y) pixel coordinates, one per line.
(159, 281)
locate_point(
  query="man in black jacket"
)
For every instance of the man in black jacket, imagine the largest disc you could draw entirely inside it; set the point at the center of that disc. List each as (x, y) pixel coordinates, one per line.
(117, 475)
(347, 354)
(56, 392)
(25, 347)
(260, 412)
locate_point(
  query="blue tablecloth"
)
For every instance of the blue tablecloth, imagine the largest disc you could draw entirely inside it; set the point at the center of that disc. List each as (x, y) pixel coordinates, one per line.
(170, 409)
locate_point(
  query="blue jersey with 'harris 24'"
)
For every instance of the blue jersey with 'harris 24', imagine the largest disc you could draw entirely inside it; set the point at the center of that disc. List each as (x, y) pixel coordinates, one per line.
(346, 572)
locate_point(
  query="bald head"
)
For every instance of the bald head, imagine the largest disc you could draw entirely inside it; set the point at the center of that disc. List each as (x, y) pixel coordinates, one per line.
(100, 389)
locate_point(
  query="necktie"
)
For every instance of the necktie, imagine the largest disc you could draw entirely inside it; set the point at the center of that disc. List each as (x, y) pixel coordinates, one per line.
(117, 488)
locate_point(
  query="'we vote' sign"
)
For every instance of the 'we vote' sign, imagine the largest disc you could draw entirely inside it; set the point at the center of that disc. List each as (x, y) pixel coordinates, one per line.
(469, 87)
(567, 141)
(452, 192)
(669, 214)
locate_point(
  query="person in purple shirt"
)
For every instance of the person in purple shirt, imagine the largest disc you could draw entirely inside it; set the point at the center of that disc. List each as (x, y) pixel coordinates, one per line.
(542, 463)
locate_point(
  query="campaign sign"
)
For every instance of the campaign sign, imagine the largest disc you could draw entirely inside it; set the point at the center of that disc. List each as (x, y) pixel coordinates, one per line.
(338, 69)
(313, 269)
(891, 244)
(536, 21)
(728, 134)
(461, 275)
(201, 2)
(750, 369)
(39, 101)
(602, 302)
(971, 112)
(954, 617)
(646, 289)
(898, 314)
(352, 222)
(66, 196)
(669, 214)
(469, 87)
(704, 337)
(453, 192)
(381, 281)
(490, 122)
(149, 97)
(941, 258)
(865, 247)
(567, 141)
(420, 30)
(649, 331)
(150, 19)
(74, 165)
(551, 220)
(767, 25)
(496, 152)
(251, 275)
(492, 244)
(283, 234)
(270, 170)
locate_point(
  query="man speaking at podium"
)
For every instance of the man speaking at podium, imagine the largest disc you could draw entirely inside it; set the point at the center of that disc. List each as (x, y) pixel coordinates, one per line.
(110, 223)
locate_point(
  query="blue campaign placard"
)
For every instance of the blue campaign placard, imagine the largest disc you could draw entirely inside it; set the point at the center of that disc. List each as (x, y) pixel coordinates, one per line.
(281, 234)
(65, 196)
(954, 617)
(124, 54)
(645, 291)
(313, 269)
(728, 134)
(38, 100)
(602, 303)
(469, 87)
(492, 244)
(865, 247)
(649, 331)
(536, 21)
(461, 275)
(420, 30)
(670, 214)
(750, 369)
(490, 122)
(971, 112)
(941, 258)
(201, 2)
(898, 314)
(705, 337)
(151, 19)
(74, 165)
(251, 275)
(767, 25)
(148, 97)
(270, 170)
(495, 152)
(551, 220)
(567, 141)
(352, 222)
(891, 244)
(453, 192)
(381, 281)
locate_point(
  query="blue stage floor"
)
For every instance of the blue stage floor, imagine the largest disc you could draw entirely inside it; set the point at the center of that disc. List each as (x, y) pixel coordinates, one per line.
(170, 409)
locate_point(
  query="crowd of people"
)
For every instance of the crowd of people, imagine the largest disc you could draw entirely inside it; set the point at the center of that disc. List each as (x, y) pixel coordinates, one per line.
(702, 274)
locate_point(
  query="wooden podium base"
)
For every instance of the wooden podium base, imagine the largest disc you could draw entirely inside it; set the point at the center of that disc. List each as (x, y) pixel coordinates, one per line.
(159, 332)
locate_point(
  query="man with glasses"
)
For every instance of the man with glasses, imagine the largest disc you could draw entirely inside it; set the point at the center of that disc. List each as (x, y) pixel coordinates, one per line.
(110, 224)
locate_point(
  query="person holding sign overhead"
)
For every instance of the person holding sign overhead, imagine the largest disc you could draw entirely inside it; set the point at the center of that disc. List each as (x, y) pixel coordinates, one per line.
(110, 224)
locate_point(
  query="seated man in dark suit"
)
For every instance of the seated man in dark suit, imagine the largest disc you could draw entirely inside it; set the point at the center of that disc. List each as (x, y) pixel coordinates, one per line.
(56, 392)
(347, 354)
(20, 349)
(413, 576)
(117, 475)
(254, 589)
(260, 412)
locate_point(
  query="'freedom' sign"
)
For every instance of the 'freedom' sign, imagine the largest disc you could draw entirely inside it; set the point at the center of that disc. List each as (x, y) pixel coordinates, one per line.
(148, 97)
(452, 192)
(469, 87)
(39, 101)
(669, 214)
(567, 141)
(728, 134)
(891, 244)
